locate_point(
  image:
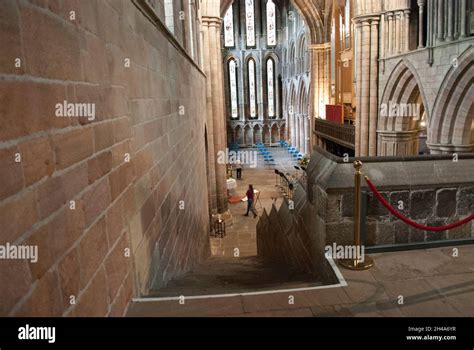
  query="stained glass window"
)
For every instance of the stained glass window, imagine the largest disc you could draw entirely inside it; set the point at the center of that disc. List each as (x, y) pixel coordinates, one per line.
(271, 87)
(229, 28)
(233, 89)
(271, 23)
(252, 89)
(250, 22)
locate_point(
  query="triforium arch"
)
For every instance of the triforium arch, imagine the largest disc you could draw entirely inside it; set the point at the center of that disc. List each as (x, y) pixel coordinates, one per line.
(402, 113)
(302, 53)
(451, 126)
(302, 116)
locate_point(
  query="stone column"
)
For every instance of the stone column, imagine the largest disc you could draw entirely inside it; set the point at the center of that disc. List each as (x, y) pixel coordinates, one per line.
(429, 24)
(307, 137)
(398, 18)
(367, 85)
(373, 111)
(320, 82)
(302, 134)
(210, 121)
(292, 128)
(297, 131)
(421, 8)
(365, 77)
(406, 22)
(358, 65)
(463, 19)
(390, 32)
(440, 24)
(213, 70)
(383, 36)
(450, 36)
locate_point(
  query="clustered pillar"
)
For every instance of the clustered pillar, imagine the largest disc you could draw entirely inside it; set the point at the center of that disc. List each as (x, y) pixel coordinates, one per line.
(320, 89)
(366, 89)
(421, 10)
(450, 22)
(320, 77)
(215, 102)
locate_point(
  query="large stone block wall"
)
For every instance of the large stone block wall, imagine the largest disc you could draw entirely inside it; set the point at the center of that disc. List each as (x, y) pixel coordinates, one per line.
(120, 206)
(432, 207)
(433, 191)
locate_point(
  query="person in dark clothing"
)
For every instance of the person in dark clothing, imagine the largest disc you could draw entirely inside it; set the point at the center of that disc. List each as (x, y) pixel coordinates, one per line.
(250, 201)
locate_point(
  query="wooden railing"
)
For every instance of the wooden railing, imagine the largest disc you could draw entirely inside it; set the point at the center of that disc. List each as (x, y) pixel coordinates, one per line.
(343, 134)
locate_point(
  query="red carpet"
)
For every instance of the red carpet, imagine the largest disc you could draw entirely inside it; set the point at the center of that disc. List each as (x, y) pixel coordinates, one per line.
(234, 199)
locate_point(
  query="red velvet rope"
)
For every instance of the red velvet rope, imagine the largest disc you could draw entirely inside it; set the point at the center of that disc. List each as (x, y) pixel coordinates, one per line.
(411, 222)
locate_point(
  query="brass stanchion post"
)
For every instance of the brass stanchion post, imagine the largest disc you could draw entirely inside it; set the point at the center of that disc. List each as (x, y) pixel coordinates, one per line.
(358, 262)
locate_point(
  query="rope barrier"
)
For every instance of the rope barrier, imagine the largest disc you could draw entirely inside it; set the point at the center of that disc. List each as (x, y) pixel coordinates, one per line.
(411, 222)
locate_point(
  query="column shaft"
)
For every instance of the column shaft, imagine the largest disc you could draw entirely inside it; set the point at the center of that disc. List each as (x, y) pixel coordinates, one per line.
(390, 32)
(398, 45)
(217, 97)
(450, 14)
(421, 8)
(406, 31)
(373, 111)
(463, 19)
(440, 24)
(358, 65)
(364, 107)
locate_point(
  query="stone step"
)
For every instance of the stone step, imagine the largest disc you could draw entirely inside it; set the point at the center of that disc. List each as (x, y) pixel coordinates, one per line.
(232, 275)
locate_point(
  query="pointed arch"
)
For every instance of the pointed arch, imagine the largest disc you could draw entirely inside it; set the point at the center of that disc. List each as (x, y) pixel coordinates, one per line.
(248, 136)
(252, 79)
(403, 87)
(238, 135)
(401, 109)
(231, 69)
(451, 125)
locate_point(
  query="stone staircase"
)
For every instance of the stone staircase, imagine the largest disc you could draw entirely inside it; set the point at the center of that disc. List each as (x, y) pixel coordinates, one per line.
(232, 276)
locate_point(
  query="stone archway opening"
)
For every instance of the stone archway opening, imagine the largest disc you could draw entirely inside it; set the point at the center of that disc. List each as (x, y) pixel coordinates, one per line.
(451, 124)
(402, 124)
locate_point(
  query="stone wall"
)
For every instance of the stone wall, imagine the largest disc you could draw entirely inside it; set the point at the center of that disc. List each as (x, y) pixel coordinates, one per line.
(433, 191)
(433, 207)
(292, 236)
(429, 76)
(100, 198)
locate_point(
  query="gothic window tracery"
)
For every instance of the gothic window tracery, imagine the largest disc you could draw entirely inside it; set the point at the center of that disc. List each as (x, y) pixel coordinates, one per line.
(229, 28)
(271, 23)
(234, 104)
(250, 22)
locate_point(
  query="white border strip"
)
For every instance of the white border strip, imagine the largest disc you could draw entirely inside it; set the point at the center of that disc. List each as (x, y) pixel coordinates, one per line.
(340, 277)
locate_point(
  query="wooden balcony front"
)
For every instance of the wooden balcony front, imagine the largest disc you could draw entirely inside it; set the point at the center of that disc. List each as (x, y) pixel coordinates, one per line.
(342, 134)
